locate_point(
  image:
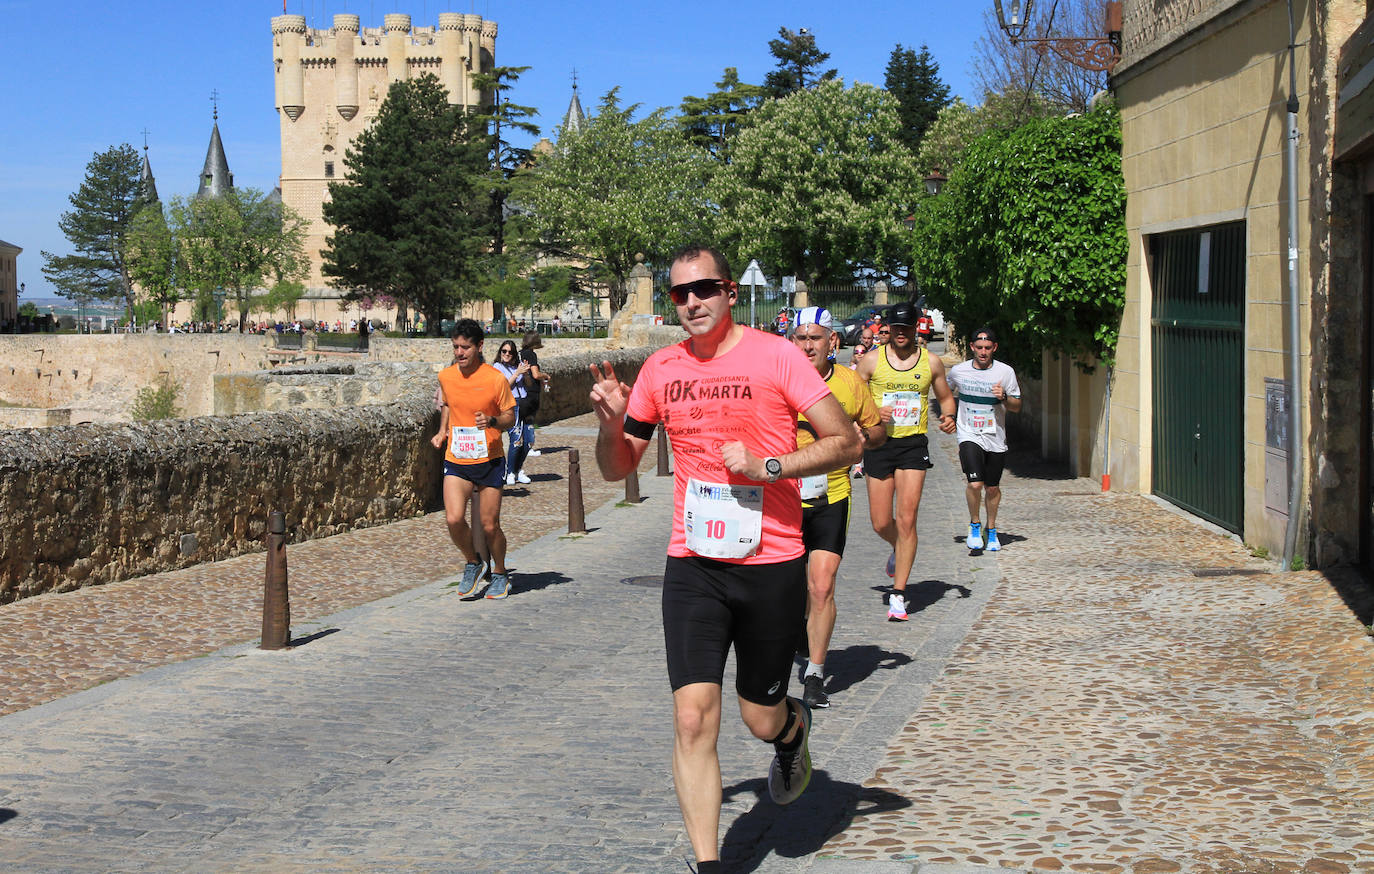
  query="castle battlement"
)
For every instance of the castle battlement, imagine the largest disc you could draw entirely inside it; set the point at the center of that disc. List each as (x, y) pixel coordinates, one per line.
(330, 83)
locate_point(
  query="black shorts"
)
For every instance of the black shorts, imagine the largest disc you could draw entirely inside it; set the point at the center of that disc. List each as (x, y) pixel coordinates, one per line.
(709, 605)
(898, 453)
(490, 473)
(826, 527)
(980, 465)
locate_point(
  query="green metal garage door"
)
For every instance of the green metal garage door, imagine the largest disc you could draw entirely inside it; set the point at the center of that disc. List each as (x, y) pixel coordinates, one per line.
(1198, 342)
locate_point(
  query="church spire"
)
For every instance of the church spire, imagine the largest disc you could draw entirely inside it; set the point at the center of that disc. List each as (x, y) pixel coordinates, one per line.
(145, 176)
(215, 178)
(574, 120)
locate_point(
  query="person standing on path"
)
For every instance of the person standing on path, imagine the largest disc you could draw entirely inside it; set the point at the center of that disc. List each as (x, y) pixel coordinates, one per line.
(728, 397)
(986, 389)
(900, 377)
(825, 497)
(536, 381)
(513, 369)
(478, 406)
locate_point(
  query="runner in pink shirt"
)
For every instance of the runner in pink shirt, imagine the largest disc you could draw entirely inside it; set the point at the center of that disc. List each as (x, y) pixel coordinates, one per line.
(728, 397)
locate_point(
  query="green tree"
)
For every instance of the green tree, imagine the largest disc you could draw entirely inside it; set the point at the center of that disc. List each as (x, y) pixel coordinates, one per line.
(914, 79)
(152, 256)
(28, 308)
(158, 402)
(1029, 237)
(103, 210)
(958, 125)
(239, 242)
(711, 122)
(619, 187)
(819, 183)
(413, 219)
(798, 59)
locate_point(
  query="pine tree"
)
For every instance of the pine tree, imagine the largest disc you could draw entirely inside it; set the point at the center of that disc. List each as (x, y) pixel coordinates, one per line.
(712, 121)
(914, 79)
(98, 227)
(798, 58)
(412, 217)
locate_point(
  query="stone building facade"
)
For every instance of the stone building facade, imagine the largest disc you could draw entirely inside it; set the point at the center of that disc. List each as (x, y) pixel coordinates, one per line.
(330, 84)
(1200, 392)
(9, 283)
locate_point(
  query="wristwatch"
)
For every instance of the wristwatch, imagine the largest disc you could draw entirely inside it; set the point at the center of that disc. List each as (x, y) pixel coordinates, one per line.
(774, 469)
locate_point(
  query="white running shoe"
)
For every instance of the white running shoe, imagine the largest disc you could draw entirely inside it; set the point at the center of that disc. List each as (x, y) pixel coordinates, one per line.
(510, 479)
(533, 453)
(896, 608)
(522, 478)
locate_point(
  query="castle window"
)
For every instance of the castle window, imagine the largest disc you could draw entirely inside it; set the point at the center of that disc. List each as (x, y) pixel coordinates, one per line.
(329, 169)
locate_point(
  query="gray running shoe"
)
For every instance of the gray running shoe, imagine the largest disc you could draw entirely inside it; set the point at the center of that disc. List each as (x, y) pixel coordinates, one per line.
(471, 574)
(814, 695)
(790, 772)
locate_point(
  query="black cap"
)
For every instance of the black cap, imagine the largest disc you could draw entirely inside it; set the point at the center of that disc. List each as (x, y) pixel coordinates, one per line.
(901, 314)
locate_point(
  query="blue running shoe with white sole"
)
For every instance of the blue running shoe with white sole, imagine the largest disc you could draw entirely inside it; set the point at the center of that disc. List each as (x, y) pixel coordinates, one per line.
(892, 564)
(975, 536)
(993, 543)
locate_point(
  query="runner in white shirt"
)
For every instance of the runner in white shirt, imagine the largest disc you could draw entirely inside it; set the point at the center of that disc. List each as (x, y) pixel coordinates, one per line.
(985, 389)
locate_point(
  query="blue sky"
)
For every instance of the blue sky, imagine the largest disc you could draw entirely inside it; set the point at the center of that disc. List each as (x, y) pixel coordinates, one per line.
(123, 68)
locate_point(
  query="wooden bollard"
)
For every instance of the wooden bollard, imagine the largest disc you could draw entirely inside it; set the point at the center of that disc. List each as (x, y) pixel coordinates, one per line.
(577, 519)
(632, 487)
(662, 452)
(276, 604)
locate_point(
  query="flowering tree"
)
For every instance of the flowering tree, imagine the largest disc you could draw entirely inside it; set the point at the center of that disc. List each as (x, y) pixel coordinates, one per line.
(818, 184)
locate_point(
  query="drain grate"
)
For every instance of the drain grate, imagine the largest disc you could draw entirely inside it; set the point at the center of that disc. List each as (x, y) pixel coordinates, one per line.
(1229, 572)
(651, 581)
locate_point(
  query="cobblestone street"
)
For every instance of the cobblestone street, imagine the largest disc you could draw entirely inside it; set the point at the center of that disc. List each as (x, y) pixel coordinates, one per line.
(1118, 690)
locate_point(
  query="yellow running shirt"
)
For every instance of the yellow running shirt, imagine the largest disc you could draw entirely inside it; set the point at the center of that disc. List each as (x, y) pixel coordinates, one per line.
(906, 391)
(849, 390)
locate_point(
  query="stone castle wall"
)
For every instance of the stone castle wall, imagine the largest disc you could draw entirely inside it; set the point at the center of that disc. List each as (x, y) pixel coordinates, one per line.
(96, 376)
(88, 504)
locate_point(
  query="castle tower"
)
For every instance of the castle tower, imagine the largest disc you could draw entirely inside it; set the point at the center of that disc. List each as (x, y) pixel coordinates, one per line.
(330, 84)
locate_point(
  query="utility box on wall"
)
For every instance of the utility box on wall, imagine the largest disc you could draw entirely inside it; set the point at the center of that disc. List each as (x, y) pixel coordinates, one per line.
(1276, 445)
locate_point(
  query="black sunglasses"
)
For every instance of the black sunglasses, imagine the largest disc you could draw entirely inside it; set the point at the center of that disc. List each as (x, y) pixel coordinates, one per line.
(704, 289)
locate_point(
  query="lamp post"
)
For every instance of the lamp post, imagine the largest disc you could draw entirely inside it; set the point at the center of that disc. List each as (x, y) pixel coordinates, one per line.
(1099, 53)
(935, 180)
(218, 295)
(531, 300)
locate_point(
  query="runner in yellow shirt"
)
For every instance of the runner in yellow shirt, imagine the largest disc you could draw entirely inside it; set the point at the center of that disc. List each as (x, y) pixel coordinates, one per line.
(825, 496)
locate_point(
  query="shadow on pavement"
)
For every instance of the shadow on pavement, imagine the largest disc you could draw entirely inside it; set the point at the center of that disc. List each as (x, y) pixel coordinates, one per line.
(1029, 465)
(826, 809)
(7, 814)
(854, 664)
(311, 638)
(921, 595)
(522, 583)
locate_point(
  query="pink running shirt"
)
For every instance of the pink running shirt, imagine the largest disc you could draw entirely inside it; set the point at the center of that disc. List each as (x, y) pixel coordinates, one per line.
(753, 394)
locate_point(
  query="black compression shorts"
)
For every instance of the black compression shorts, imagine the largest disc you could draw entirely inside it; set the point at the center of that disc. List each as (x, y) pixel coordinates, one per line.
(980, 465)
(905, 453)
(826, 527)
(709, 605)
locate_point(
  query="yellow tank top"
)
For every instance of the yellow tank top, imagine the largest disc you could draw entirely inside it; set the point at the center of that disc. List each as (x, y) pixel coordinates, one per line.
(907, 391)
(848, 389)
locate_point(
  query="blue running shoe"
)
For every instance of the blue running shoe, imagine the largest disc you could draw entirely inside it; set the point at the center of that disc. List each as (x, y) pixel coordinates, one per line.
(892, 564)
(975, 536)
(499, 588)
(993, 543)
(472, 572)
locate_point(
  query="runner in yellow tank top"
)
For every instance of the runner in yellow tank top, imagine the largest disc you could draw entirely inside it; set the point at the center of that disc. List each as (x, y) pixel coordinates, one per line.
(900, 378)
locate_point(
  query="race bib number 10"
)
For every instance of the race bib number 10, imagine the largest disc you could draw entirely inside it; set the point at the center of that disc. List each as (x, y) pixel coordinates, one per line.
(720, 520)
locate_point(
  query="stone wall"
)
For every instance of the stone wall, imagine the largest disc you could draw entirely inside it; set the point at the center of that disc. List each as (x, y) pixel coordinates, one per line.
(88, 504)
(96, 376)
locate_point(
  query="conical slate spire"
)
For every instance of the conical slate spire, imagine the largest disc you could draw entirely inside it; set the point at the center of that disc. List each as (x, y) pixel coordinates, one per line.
(145, 178)
(574, 120)
(215, 179)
